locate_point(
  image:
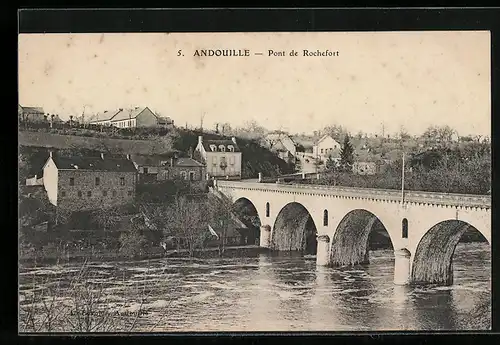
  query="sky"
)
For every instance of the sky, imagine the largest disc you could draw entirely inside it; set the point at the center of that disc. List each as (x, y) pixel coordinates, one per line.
(382, 79)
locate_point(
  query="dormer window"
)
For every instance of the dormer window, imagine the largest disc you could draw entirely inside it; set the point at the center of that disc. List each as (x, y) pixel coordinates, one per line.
(230, 148)
(222, 148)
(213, 147)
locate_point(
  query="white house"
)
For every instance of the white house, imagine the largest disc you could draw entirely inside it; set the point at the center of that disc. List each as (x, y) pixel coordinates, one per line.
(325, 147)
(221, 157)
(130, 118)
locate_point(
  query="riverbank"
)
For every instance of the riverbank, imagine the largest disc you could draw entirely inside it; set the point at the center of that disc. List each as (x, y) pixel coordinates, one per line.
(97, 255)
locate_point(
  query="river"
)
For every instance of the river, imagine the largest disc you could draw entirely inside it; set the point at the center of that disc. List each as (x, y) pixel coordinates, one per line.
(284, 293)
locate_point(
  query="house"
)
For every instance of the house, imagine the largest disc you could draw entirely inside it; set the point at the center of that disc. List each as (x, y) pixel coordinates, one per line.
(222, 158)
(85, 183)
(182, 168)
(168, 167)
(165, 121)
(327, 147)
(128, 118)
(31, 114)
(34, 181)
(283, 140)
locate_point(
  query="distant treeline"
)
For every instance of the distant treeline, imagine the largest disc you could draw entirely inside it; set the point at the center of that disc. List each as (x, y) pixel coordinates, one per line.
(464, 170)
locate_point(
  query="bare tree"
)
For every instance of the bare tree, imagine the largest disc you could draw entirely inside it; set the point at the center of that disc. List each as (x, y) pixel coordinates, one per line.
(187, 220)
(221, 213)
(82, 306)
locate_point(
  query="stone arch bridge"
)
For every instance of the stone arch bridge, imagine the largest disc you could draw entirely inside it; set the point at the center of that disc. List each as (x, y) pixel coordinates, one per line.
(424, 228)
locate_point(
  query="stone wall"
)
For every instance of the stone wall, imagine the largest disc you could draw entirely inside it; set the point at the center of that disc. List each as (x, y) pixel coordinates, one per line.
(110, 191)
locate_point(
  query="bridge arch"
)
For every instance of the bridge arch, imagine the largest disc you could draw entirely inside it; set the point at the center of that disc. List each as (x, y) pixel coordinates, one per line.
(350, 244)
(433, 258)
(294, 230)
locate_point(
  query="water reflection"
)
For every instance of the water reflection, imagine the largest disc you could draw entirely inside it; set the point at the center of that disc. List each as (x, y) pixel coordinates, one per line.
(289, 292)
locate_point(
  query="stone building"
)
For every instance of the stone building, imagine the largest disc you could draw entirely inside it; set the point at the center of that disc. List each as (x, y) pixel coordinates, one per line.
(85, 183)
(182, 168)
(168, 167)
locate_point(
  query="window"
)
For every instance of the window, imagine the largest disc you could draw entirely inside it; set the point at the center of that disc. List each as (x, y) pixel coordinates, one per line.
(231, 160)
(321, 150)
(122, 181)
(191, 175)
(213, 147)
(89, 194)
(104, 193)
(114, 193)
(267, 209)
(145, 170)
(230, 148)
(79, 194)
(71, 181)
(214, 161)
(222, 148)
(405, 228)
(63, 194)
(325, 218)
(97, 181)
(129, 193)
(183, 175)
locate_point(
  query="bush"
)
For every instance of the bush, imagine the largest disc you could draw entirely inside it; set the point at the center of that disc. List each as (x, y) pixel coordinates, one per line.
(133, 243)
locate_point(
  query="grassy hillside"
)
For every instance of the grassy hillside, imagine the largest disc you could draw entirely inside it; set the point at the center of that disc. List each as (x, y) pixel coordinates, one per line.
(35, 146)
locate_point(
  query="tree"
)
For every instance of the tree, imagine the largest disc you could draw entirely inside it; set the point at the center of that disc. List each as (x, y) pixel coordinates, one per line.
(438, 134)
(221, 210)
(132, 243)
(335, 131)
(226, 128)
(403, 133)
(106, 217)
(346, 155)
(186, 220)
(330, 164)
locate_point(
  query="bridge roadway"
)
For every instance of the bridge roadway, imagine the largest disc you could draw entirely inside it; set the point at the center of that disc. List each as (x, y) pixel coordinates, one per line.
(424, 227)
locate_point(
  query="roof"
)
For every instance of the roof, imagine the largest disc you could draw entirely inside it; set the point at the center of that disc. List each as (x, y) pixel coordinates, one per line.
(32, 109)
(187, 162)
(119, 114)
(94, 163)
(217, 143)
(152, 160)
(325, 137)
(125, 114)
(104, 116)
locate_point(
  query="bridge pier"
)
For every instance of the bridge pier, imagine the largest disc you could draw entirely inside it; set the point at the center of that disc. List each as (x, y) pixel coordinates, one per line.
(265, 236)
(402, 266)
(322, 253)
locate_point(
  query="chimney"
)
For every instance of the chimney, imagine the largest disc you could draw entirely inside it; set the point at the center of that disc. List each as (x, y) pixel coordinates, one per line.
(35, 177)
(50, 154)
(128, 156)
(200, 140)
(171, 162)
(260, 177)
(234, 140)
(102, 155)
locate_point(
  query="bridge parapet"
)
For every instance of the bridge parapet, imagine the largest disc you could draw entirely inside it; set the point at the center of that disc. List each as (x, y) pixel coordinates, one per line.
(432, 198)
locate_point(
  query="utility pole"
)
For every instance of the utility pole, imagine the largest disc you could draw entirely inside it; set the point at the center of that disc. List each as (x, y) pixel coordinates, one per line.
(383, 130)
